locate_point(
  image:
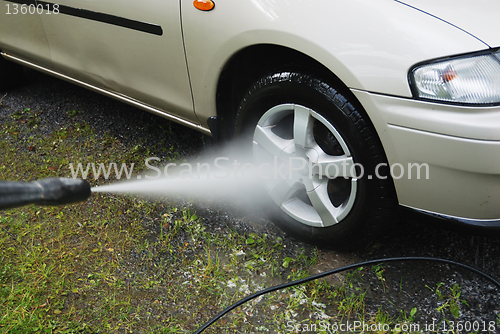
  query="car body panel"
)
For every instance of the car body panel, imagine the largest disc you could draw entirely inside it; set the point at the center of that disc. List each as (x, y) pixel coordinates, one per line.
(145, 66)
(478, 123)
(478, 17)
(369, 45)
(464, 171)
(23, 34)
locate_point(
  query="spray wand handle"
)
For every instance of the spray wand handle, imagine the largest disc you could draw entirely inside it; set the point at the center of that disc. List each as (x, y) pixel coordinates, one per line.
(52, 191)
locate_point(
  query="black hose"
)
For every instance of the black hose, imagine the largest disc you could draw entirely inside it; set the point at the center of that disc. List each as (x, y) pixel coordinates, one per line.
(334, 271)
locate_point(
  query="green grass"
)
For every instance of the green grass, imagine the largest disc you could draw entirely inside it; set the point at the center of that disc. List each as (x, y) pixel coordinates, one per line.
(118, 264)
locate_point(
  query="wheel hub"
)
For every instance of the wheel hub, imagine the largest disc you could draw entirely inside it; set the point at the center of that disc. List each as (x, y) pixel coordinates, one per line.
(297, 161)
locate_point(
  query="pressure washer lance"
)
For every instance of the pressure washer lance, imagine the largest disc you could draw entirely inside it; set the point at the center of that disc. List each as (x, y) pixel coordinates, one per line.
(51, 192)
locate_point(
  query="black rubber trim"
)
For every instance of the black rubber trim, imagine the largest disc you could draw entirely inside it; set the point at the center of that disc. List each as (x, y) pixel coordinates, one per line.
(23, 2)
(213, 126)
(99, 17)
(486, 224)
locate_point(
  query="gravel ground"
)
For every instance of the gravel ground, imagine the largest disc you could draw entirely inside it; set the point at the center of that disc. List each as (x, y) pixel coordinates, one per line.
(406, 285)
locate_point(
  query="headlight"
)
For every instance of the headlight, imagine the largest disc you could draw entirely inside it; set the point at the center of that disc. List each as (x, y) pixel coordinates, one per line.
(474, 79)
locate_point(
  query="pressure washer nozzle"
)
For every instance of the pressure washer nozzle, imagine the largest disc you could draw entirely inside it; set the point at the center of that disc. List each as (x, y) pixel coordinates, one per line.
(52, 191)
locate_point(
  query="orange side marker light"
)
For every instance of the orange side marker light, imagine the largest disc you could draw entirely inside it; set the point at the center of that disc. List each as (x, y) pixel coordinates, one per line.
(449, 74)
(204, 5)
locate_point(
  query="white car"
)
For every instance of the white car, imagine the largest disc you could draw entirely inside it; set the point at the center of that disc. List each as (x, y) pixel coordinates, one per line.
(400, 99)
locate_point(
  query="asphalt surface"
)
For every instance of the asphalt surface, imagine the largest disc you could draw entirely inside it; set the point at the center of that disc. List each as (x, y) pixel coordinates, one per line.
(407, 284)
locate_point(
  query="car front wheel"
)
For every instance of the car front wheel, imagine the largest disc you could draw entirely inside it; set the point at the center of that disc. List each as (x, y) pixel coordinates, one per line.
(331, 186)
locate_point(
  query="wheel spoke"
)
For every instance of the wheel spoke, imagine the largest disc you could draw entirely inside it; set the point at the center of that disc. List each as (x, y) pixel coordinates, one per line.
(302, 127)
(281, 191)
(266, 139)
(322, 204)
(330, 166)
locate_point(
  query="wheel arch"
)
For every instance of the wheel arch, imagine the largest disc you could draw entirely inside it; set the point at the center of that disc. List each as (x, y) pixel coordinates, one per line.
(250, 64)
(253, 62)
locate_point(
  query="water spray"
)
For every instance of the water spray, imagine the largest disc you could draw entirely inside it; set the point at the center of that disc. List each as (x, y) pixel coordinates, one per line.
(51, 192)
(60, 191)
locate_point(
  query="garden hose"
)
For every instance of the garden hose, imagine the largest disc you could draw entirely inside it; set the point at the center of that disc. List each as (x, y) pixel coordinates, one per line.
(334, 271)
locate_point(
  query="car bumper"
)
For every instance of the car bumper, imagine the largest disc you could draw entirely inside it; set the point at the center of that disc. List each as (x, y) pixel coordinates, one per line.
(460, 146)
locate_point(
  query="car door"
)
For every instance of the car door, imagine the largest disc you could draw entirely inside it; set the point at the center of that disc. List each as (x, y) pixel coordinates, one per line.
(132, 48)
(21, 31)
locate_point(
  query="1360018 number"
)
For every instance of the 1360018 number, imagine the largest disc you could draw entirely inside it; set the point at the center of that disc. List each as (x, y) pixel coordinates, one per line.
(468, 326)
(32, 9)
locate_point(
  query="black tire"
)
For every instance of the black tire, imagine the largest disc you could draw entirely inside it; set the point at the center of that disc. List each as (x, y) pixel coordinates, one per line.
(363, 206)
(10, 74)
